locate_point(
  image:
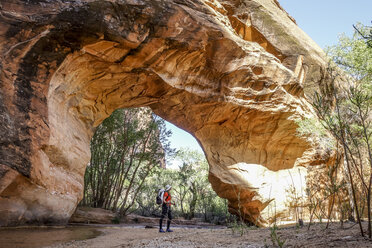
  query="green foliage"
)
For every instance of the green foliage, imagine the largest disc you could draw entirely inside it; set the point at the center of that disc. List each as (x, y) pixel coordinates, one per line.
(192, 181)
(344, 107)
(127, 169)
(365, 34)
(354, 55)
(191, 190)
(125, 148)
(145, 202)
(313, 129)
(348, 115)
(275, 237)
(115, 220)
(239, 227)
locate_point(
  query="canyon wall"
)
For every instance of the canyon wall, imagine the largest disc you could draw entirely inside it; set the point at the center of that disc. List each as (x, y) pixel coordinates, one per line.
(233, 73)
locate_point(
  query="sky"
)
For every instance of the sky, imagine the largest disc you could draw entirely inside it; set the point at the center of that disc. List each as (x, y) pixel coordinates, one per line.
(322, 20)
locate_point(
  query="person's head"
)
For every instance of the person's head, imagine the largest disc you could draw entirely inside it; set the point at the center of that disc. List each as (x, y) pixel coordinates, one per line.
(168, 187)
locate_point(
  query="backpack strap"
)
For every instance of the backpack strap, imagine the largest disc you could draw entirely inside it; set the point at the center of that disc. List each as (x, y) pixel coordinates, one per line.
(166, 198)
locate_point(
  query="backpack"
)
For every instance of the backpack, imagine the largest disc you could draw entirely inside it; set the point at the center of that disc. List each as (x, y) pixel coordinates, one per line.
(159, 196)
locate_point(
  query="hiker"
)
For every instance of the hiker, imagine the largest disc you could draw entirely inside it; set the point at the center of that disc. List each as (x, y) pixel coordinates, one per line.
(166, 209)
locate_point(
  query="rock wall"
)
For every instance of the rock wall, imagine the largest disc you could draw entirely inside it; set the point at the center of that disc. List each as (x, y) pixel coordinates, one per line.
(233, 73)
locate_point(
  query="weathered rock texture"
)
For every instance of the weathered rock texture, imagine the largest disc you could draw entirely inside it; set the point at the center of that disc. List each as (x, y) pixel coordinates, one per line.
(231, 72)
(88, 215)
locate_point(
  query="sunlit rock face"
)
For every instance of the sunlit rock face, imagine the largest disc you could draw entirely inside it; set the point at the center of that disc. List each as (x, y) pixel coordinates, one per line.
(234, 74)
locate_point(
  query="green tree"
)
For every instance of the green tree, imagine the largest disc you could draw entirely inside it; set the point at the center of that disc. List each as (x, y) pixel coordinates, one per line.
(125, 148)
(344, 107)
(367, 37)
(191, 178)
(354, 56)
(192, 192)
(145, 202)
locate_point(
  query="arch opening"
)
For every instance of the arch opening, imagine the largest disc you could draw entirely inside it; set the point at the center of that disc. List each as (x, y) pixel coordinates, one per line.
(79, 64)
(85, 90)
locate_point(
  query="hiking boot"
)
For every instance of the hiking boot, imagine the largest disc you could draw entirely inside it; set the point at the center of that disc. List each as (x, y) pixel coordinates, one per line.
(169, 230)
(161, 230)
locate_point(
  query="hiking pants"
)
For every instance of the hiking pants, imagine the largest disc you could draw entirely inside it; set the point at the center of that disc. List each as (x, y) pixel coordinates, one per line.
(165, 211)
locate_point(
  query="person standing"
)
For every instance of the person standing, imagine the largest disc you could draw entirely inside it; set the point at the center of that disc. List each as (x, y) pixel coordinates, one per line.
(166, 209)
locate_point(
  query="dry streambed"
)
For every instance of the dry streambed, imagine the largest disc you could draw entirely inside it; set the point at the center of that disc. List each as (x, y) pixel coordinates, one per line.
(34, 237)
(181, 237)
(138, 236)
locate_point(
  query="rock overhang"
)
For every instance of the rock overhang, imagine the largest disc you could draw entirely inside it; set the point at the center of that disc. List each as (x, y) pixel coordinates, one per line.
(231, 73)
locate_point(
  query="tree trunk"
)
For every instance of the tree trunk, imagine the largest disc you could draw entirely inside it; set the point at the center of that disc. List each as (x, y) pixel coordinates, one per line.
(193, 202)
(353, 192)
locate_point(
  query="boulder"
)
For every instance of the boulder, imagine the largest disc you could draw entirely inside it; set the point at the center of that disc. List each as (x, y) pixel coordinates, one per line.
(89, 215)
(233, 73)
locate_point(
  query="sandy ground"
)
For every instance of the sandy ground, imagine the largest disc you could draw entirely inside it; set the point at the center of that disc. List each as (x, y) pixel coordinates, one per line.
(139, 236)
(35, 237)
(318, 236)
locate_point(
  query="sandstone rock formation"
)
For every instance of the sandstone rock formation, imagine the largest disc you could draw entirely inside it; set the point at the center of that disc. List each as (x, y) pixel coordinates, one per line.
(88, 215)
(233, 73)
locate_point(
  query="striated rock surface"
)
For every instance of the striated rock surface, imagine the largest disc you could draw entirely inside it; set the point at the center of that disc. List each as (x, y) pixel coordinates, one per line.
(233, 73)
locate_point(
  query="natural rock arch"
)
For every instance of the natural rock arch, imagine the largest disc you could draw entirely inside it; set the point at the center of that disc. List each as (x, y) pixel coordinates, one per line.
(231, 73)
